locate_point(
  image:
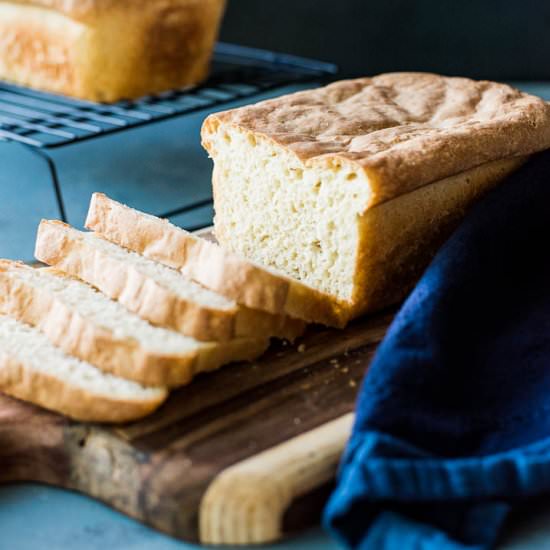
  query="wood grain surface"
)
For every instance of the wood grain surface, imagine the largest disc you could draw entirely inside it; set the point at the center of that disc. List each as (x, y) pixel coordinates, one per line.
(271, 431)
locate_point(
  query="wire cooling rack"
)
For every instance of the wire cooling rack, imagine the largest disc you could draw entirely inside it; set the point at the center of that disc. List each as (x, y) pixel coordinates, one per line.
(42, 122)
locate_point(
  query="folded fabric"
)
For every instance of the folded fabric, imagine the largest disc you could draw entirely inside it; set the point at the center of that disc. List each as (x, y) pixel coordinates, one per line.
(453, 420)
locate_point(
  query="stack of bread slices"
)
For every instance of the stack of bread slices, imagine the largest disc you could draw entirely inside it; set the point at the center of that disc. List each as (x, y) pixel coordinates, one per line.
(129, 311)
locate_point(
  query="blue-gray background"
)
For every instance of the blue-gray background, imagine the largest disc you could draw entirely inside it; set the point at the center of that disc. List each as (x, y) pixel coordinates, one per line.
(500, 39)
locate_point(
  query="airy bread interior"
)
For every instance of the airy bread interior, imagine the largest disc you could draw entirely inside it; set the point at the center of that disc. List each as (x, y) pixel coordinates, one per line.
(30, 347)
(273, 209)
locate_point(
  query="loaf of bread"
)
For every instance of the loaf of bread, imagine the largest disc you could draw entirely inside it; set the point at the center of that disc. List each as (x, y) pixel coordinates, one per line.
(105, 50)
(85, 323)
(33, 369)
(206, 262)
(155, 292)
(351, 188)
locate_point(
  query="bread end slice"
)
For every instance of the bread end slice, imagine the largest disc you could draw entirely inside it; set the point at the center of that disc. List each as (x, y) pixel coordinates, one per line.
(34, 370)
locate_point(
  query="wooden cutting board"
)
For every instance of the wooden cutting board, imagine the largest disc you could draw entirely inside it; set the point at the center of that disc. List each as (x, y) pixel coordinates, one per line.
(243, 455)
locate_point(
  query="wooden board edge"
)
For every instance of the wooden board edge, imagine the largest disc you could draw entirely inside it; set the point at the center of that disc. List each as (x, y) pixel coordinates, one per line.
(245, 503)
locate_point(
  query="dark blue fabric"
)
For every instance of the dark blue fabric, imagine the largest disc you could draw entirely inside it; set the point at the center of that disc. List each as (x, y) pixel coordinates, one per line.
(453, 419)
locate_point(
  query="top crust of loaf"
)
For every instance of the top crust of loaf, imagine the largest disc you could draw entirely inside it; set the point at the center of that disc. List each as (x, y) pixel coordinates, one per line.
(86, 10)
(404, 130)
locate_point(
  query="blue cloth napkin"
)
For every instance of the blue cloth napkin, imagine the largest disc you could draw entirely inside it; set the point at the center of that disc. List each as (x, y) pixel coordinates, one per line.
(453, 420)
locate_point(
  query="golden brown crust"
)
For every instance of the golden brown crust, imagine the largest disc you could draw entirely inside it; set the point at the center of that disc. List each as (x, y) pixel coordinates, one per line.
(61, 248)
(404, 130)
(209, 264)
(105, 50)
(47, 391)
(123, 357)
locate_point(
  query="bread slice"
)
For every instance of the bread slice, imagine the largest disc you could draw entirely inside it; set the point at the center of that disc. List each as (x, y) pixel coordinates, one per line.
(351, 188)
(33, 369)
(87, 324)
(159, 294)
(207, 263)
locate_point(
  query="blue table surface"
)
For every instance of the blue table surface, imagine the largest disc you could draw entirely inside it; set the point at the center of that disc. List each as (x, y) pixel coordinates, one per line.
(33, 517)
(171, 165)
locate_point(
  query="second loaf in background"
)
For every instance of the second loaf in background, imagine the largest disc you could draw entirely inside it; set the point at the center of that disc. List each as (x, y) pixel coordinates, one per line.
(106, 50)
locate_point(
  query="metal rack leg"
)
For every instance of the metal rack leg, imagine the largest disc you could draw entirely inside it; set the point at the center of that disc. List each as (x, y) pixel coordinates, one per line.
(54, 177)
(187, 208)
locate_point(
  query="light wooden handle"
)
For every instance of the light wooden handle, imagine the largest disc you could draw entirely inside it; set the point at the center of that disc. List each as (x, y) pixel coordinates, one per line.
(245, 504)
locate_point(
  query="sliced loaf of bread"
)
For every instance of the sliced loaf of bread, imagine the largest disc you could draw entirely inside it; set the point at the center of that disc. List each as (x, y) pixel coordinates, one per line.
(87, 324)
(209, 264)
(157, 293)
(33, 369)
